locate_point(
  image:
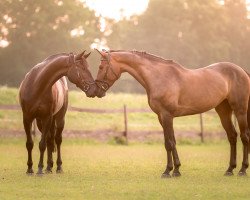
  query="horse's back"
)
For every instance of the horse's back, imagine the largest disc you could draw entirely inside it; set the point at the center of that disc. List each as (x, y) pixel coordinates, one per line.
(235, 76)
(229, 74)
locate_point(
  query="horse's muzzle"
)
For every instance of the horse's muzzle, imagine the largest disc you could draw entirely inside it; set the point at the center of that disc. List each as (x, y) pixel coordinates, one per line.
(91, 91)
(100, 93)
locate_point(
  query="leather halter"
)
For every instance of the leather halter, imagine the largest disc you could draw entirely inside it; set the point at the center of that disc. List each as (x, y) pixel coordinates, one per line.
(103, 84)
(80, 80)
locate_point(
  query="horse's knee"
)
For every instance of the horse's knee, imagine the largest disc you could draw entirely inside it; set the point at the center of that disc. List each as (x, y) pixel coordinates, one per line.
(58, 139)
(169, 145)
(245, 137)
(232, 139)
(51, 144)
(42, 146)
(29, 145)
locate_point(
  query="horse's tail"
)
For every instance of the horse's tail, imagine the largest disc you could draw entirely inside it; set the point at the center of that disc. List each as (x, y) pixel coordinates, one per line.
(248, 117)
(248, 121)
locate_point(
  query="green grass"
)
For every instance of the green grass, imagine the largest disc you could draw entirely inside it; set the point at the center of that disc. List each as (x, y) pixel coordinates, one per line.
(8, 96)
(103, 171)
(12, 120)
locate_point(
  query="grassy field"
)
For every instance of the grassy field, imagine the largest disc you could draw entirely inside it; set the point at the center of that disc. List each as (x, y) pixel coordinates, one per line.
(12, 120)
(105, 171)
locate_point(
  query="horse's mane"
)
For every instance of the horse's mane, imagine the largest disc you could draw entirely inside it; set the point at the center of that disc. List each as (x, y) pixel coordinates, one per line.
(149, 56)
(47, 60)
(55, 56)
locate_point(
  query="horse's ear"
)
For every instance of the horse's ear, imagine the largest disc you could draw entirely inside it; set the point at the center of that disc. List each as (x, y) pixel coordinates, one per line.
(80, 55)
(87, 55)
(101, 53)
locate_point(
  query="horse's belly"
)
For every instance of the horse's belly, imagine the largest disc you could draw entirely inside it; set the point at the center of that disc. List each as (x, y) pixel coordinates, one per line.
(199, 104)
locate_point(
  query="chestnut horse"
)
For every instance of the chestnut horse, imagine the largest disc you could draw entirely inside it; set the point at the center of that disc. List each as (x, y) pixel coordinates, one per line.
(43, 96)
(175, 91)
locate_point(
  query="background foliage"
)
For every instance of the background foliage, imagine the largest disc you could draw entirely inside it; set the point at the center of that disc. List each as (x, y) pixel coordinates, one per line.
(194, 33)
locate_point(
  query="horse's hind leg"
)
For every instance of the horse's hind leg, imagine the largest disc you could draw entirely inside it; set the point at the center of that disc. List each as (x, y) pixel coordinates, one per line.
(29, 143)
(170, 146)
(241, 116)
(225, 113)
(50, 147)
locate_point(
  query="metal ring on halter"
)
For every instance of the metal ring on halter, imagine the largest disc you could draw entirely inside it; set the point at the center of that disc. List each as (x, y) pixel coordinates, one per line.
(102, 84)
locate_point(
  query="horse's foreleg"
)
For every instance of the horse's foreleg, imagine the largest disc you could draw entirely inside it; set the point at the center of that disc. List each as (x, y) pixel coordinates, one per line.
(46, 124)
(50, 147)
(170, 146)
(29, 143)
(58, 139)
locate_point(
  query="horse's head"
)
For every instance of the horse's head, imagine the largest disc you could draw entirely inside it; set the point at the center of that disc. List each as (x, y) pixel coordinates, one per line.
(107, 74)
(80, 75)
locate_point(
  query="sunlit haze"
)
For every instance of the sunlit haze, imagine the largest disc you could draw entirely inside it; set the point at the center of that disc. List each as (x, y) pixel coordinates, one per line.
(117, 9)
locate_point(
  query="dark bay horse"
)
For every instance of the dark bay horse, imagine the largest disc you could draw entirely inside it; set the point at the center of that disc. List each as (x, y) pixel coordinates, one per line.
(43, 96)
(175, 91)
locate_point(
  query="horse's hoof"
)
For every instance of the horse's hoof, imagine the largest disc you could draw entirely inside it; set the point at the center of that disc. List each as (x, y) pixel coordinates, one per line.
(227, 173)
(59, 171)
(30, 172)
(165, 175)
(48, 171)
(242, 173)
(40, 172)
(176, 174)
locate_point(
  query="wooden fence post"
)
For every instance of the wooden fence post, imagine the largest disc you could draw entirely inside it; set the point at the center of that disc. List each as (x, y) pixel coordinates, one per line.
(201, 124)
(125, 134)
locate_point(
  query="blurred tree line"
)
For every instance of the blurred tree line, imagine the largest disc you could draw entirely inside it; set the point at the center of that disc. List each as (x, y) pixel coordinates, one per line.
(195, 33)
(39, 28)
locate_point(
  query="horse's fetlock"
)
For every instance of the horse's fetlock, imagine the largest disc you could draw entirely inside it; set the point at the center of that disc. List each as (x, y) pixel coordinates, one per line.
(245, 165)
(170, 168)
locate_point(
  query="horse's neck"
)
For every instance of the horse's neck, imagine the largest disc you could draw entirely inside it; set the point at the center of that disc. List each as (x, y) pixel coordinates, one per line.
(133, 67)
(141, 69)
(50, 73)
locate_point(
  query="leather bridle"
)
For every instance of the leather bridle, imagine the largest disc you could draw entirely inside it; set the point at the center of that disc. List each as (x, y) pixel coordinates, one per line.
(103, 84)
(80, 81)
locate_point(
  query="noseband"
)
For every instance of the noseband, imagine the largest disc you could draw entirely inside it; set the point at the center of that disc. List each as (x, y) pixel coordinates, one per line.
(80, 80)
(103, 84)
